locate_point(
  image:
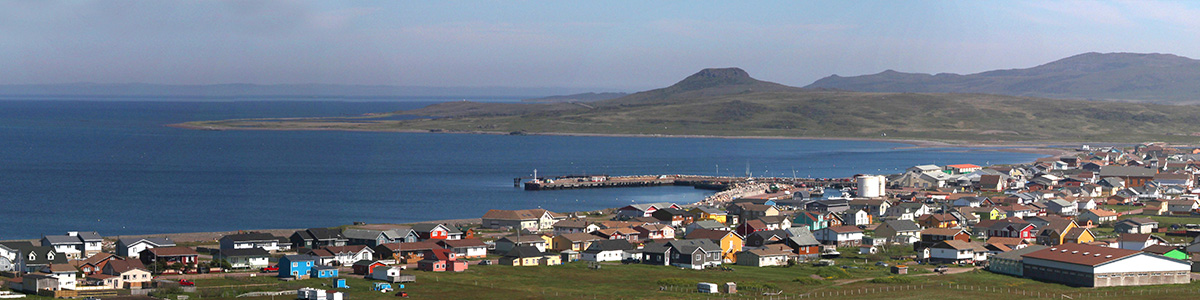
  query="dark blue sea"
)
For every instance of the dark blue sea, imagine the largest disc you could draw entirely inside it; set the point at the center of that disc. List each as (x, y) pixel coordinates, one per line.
(113, 167)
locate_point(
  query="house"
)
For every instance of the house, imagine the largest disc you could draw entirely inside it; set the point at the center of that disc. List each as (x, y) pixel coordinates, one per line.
(130, 247)
(1095, 266)
(24, 257)
(654, 231)
(1135, 225)
(91, 266)
(1010, 263)
(75, 244)
(874, 207)
(908, 210)
(624, 233)
(955, 251)
(1010, 227)
(313, 238)
(857, 218)
(249, 240)
(695, 254)
(35, 283)
(642, 210)
(324, 272)
(64, 273)
(525, 256)
(1053, 230)
(932, 236)
(1062, 207)
(169, 255)
(705, 224)
(441, 260)
(366, 266)
(1085, 204)
(814, 220)
(962, 168)
(372, 238)
(762, 238)
(465, 248)
(574, 241)
(608, 250)
(730, 242)
(779, 222)
(1168, 251)
(672, 216)
(828, 206)
(802, 242)
(709, 213)
(434, 231)
(341, 255)
(506, 244)
(1181, 207)
(388, 274)
(768, 257)
(406, 252)
(529, 219)
(1135, 241)
(656, 254)
(296, 266)
(130, 273)
(1096, 217)
(992, 183)
(899, 231)
(751, 226)
(574, 225)
(972, 201)
(751, 211)
(985, 213)
(938, 221)
(251, 258)
(842, 236)
(1133, 176)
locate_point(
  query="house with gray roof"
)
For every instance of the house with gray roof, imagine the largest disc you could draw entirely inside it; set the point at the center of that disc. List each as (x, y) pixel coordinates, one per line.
(131, 247)
(75, 244)
(25, 257)
(374, 238)
(899, 231)
(314, 238)
(695, 254)
(248, 240)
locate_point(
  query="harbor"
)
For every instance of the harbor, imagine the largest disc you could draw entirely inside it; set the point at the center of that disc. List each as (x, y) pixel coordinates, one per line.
(718, 183)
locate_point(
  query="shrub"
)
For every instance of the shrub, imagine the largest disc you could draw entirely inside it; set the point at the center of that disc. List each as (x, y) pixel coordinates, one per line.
(807, 280)
(892, 279)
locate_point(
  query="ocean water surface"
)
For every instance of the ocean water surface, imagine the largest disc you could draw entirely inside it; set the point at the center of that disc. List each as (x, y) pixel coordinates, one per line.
(112, 167)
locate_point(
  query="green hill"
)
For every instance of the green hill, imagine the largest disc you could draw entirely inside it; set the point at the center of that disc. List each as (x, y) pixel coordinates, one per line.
(728, 102)
(1159, 78)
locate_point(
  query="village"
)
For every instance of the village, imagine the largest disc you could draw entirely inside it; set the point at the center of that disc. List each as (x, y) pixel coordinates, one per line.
(1096, 217)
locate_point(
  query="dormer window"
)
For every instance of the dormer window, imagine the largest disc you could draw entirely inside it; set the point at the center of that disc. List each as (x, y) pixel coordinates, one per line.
(32, 256)
(50, 256)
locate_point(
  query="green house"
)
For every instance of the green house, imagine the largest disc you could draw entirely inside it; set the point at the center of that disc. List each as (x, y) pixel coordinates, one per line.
(1167, 251)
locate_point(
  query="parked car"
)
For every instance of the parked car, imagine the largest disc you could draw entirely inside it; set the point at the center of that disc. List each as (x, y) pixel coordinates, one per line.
(268, 269)
(185, 282)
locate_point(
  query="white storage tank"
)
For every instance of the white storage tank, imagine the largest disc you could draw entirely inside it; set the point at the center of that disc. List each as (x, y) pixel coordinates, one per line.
(871, 186)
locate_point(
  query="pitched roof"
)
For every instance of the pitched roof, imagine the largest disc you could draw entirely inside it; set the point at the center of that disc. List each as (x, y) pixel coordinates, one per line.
(247, 252)
(1140, 221)
(1123, 171)
(572, 223)
(1081, 254)
(1159, 249)
(124, 265)
(1016, 254)
(769, 251)
(1102, 212)
(516, 215)
(844, 229)
(1076, 232)
(300, 257)
(463, 243)
(523, 239)
(412, 246)
(900, 225)
(959, 245)
(90, 236)
(708, 234)
(156, 241)
(579, 237)
(172, 251)
(1008, 241)
(689, 246)
(708, 224)
(62, 239)
(941, 231)
(524, 251)
(1133, 237)
(609, 245)
(250, 237)
(361, 234)
(801, 236)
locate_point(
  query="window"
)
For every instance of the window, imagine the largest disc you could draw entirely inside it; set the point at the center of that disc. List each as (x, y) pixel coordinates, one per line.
(294, 265)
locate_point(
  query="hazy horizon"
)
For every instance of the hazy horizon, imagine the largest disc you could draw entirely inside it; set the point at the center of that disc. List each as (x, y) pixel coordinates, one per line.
(572, 46)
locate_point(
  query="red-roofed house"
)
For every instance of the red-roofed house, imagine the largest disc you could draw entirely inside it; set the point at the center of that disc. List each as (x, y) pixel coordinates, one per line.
(441, 260)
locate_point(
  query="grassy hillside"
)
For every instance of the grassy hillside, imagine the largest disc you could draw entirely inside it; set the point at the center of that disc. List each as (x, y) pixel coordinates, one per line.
(729, 103)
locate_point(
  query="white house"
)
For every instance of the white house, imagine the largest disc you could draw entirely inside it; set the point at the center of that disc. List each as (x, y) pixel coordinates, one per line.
(130, 247)
(75, 244)
(842, 236)
(770, 256)
(857, 217)
(249, 240)
(385, 273)
(608, 250)
(342, 255)
(251, 258)
(1062, 207)
(1085, 204)
(65, 274)
(1135, 241)
(956, 251)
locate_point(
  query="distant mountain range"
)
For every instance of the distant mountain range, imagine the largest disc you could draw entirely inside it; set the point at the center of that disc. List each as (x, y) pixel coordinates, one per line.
(584, 97)
(296, 91)
(728, 102)
(1159, 78)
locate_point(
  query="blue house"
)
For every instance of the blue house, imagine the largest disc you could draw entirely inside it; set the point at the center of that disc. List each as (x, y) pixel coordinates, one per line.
(296, 266)
(325, 272)
(814, 220)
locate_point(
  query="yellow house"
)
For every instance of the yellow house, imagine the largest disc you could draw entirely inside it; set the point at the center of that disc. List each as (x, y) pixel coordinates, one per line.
(529, 256)
(988, 213)
(1059, 232)
(573, 241)
(1079, 235)
(731, 243)
(709, 213)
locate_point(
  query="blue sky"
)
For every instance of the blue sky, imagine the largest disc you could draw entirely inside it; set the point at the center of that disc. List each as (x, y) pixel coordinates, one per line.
(605, 45)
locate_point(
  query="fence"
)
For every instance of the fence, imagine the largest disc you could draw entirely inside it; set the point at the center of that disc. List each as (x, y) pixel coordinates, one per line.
(1022, 293)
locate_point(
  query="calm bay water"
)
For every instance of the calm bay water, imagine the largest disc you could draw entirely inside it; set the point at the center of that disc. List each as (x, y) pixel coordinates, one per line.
(112, 167)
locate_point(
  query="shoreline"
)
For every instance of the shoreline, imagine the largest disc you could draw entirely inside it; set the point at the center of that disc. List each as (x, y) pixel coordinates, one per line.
(1021, 147)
